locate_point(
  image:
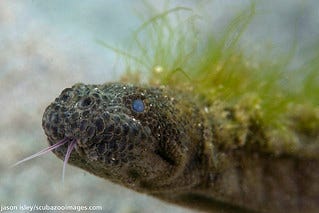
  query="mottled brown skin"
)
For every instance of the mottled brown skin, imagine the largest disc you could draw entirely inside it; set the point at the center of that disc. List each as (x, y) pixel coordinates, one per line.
(176, 150)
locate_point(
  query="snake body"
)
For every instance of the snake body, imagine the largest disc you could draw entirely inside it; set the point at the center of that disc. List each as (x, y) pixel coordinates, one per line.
(175, 147)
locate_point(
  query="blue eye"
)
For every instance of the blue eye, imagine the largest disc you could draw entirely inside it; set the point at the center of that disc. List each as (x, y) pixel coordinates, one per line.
(138, 105)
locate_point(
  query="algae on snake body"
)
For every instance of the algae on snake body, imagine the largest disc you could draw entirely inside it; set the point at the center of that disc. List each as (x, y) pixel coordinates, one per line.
(160, 142)
(282, 101)
(257, 105)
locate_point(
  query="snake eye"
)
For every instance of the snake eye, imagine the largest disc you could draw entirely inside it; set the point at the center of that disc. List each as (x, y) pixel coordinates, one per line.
(138, 105)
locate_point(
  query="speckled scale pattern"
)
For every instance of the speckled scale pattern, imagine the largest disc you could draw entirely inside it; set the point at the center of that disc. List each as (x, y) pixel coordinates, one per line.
(111, 134)
(178, 150)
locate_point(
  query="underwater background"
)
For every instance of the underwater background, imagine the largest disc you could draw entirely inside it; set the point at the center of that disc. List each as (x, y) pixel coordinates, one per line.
(49, 45)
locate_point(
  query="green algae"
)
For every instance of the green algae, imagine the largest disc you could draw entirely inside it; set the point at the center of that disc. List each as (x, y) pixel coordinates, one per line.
(169, 50)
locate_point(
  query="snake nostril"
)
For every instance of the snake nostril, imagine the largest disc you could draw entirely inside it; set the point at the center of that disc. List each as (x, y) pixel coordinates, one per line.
(86, 102)
(66, 95)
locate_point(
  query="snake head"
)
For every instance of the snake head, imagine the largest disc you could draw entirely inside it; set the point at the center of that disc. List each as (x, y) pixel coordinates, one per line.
(136, 136)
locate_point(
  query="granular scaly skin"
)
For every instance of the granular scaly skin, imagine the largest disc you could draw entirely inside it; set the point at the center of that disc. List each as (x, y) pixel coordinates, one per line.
(175, 149)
